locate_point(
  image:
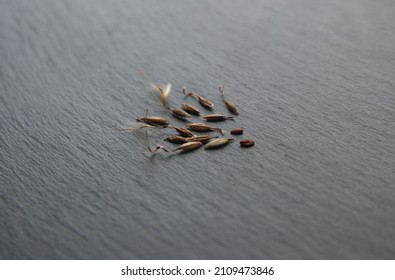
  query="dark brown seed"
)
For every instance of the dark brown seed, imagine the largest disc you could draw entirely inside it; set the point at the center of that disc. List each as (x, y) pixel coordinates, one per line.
(216, 118)
(237, 131)
(176, 139)
(247, 143)
(190, 109)
(158, 121)
(202, 127)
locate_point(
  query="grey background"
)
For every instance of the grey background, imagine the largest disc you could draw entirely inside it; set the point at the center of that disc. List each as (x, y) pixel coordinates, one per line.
(314, 81)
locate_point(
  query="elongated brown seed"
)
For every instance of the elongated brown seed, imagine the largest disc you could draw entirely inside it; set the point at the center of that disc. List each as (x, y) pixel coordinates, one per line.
(189, 146)
(202, 100)
(205, 102)
(247, 143)
(183, 131)
(216, 118)
(237, 131)
(202, 127)
(218, 143)
(232, 107)
(176, 139)
(190, 109)
(179, 113)
(158, 121)
(229, 104)
(200, 138)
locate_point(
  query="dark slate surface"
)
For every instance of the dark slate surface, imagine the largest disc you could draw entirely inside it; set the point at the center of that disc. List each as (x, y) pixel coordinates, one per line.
(315, 84)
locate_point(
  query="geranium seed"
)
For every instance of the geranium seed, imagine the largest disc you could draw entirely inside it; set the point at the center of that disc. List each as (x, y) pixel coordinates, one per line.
(218, 143)
(190, 109)
(176, 139)
(189, 146)
(216, 118)
(157, 121)
(202, 127)
(229, 104)
(181, 114)
(183, 131)
(205, 102)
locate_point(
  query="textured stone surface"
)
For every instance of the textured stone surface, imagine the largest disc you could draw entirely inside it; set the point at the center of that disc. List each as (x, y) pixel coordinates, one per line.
(314, 82)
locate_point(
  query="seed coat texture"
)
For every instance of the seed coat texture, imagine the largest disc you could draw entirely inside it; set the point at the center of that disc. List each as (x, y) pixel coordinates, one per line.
(189, 146)
(179, 113)
(205, 102)
(190, 109)
(247, 143)
(218, 143)
(202, 127)
(157, 121)
(237, 131)
(176, 139)
(183, 131)
(216, 118)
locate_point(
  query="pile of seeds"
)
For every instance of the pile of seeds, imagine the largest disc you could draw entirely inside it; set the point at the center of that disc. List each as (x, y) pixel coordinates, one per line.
(186, 139)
